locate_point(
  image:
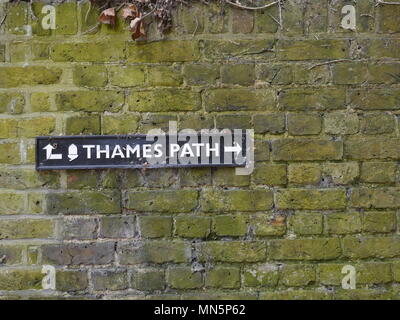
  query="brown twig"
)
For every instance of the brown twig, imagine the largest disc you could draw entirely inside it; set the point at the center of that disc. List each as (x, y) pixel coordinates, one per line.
(379, 2)
(328, 62)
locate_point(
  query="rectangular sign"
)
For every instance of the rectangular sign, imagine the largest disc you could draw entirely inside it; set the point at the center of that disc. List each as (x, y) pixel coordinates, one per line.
(141, 151)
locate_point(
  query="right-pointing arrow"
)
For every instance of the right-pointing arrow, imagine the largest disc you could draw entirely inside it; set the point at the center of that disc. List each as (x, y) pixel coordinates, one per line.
(236, 148)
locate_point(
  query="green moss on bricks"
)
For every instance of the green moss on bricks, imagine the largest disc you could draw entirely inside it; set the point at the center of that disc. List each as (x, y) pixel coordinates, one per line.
(109, 280)
(223, 277)
(155, 227)
(265, 275)
(168, 76)
(28, 76)
(192, 226)
(304, 173)
(148, 279)
(12, 103)
(10, 153)
(71, 280)
(274, 123)
(343, 223)
(312, 49)
(21, 279)
(82, 125)
(12, 203)
(127, 76)
(307, 223)
(12, 254)
(297, 275)
(90, 76)
(90, 101)
(26, 229)
(120, 124)
(184, 278)
(40, 102)
(230, 225)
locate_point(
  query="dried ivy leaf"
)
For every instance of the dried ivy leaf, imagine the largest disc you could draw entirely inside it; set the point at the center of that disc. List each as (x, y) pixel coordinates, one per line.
(137, 28)
(130, 11)
(108, 16)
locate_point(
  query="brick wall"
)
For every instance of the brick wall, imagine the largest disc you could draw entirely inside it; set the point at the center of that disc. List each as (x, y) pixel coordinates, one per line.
(324, 104)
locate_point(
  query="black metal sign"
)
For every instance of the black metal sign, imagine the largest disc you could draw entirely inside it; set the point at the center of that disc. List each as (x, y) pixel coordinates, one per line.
(141, 151)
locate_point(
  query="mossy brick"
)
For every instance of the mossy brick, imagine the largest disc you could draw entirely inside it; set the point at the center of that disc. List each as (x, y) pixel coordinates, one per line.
(306, 149)
(40, 51)
(35, 202)
(84, 202)
(297, 275)
(40, 102)
(120, 124)
(216, 19)
(71, 280)
(131, 253)
(274, 73)
(311, 199)
(200, 74)
(379, 198)
(79, 253)
(341, 123)
(228, 177)
(363, 294)
(231, 251)
(261, 150)
(366, 273)
(26, 228)
(270, 174)
(273, 123)
(184, 21)
(227, 225)
(264, 20)
(2, 53)
(341, 173)
(241, 74)
(163, 51)
(90, 76)
(192, 226)
(17, 18)
(77, 125)
(305, 249)
(384, 48)
(220, 296)
(304, 124)
(12, 203)
(223, 277)
(306, 223)
(184, 278)
(343, 223)
(377, 123)
(396, 271)
(38, 126)
(378, 172)
(117, 227)
(93, 179)
(371, 247)
(163, 200)
(90, 101)
(372, 148)
(67, 20)
(164, 100)
(37, 28)
(311, 74)
(196, 121)
(300, 294)
(265, 275)
(298, 50)
(242, 21)
(388, 19)
(10, 153)
(293, 16)
(21, 178)
(266, 225)
(166, 76)
(109, 280)
(315, 17)
(148, 279)
(8, 128)
(304, 173)
(213, 200)
(127, 76)
(151, 121)
(11, 77)
(89, 16)
(12, 103)
(379, 221)
(155, 227)
(350, 73)
(160, 178)
(384, 73)
(239, 99)
(77, 228)
(11, 254)
(305, 99)
(88, 51)
(221, 49)
(233, 121)
(20, 52)
(20, 279)
(375, 99)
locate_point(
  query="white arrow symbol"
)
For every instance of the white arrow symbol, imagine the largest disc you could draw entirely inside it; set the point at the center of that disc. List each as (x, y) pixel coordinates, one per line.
(72, 152)
(235, 149)
(49, 156)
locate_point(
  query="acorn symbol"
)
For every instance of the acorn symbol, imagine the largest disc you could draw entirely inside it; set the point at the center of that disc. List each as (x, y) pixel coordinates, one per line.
(72, 152)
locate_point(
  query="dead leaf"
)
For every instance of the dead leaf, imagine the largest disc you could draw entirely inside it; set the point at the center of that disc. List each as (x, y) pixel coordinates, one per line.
(108, 16)
(137, 28)
(130, 12)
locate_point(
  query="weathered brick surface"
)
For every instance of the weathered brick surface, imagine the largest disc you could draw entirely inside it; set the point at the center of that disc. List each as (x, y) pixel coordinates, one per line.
(324, 105)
